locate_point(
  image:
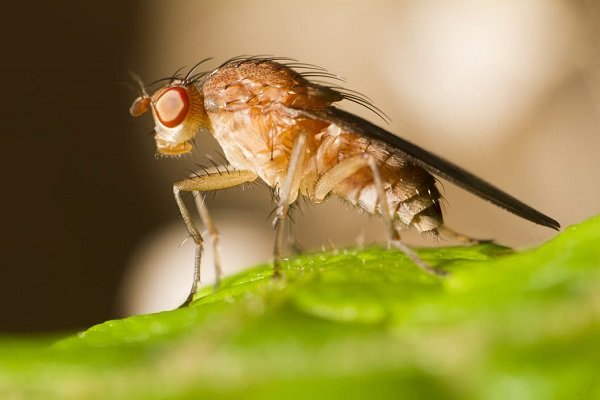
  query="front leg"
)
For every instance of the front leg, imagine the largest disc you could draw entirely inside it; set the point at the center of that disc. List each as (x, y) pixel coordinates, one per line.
(214, 179)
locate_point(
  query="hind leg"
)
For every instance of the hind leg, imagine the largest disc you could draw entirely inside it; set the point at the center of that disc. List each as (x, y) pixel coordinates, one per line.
(345, 169)
(391, 228)
(464, 239)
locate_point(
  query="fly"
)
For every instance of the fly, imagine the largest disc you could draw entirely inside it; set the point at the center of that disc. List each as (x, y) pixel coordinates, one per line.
(276, 125)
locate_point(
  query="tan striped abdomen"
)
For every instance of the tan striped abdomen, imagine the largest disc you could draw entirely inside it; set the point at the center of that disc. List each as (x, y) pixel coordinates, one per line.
(411, 191)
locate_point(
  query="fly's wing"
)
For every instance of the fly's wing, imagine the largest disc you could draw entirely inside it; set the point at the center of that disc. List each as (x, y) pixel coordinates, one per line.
(433, 164)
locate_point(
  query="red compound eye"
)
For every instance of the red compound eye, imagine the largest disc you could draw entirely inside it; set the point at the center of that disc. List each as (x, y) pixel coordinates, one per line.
(172, 106)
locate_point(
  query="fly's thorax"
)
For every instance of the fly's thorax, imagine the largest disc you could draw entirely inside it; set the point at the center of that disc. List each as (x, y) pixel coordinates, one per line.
(263, 142)
(262, 83)
(240, 140)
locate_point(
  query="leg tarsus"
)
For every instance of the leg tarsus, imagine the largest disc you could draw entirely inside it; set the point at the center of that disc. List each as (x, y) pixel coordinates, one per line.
(188, 300)
(296, 247)
(196, 283)
(213, 233)
(277, 222)
(392, 231)
(414, 257)
(464, 239)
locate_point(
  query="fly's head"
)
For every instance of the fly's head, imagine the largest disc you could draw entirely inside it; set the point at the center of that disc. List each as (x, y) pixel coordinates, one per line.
(178, 111)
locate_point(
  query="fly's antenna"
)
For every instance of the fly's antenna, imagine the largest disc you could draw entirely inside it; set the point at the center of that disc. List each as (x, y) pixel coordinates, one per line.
(194, 68)
(140, 83)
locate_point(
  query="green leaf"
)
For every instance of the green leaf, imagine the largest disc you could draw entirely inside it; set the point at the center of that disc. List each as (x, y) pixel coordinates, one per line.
(350, 324)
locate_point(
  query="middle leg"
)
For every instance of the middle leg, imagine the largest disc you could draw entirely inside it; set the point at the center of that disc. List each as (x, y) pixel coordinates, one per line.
(287, 193)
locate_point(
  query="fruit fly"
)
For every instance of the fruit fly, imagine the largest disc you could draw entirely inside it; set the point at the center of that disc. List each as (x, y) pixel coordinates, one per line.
(275, 124)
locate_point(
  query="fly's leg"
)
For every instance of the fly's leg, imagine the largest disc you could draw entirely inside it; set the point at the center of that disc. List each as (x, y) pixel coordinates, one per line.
(460, 237)
(294, 244)
(393, 235)
(213, 233)
(288, 193)
(336, 174)
(213, 180)
(348, 167)
(292, 237)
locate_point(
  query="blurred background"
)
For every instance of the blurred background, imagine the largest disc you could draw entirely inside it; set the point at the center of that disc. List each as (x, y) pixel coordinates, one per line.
(509, 90)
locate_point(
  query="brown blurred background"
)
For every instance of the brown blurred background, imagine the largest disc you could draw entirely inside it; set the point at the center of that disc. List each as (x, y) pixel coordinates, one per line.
(507, 89)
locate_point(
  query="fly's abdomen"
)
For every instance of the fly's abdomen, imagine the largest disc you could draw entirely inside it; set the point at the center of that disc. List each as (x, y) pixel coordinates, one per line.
(410, 190)
(413, 203)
